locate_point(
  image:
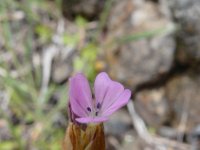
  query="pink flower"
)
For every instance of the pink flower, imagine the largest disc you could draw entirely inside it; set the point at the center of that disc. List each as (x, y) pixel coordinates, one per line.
(109, 97)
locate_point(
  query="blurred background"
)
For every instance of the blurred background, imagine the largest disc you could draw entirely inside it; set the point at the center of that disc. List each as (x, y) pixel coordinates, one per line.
(151, 46)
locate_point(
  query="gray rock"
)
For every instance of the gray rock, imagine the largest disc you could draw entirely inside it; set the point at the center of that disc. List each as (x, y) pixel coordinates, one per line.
(187, 13)
(194, 138)
(5, 133)
(145, 57)
(184, 99)
(62, 67)
(152, 106)
(119, 123)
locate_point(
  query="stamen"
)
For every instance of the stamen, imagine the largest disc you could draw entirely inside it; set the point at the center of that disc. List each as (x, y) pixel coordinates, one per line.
(96, 113)
(98, 105)
(89, 109)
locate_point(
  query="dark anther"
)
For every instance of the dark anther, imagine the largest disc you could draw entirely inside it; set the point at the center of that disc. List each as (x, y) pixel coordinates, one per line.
(98, 105)
(96, 113)
(89, 109)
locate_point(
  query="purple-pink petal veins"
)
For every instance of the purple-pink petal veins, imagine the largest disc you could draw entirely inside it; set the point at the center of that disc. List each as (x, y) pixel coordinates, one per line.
(113, 92)
(77, 108)
(91, 119)
(80, 95)
(118, 103)
(101, 85)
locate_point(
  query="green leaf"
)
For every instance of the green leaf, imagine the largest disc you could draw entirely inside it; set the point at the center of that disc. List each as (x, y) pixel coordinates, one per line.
(78, 64)
(80, 21)
(71, 40)
(44, 32)
(8, 145)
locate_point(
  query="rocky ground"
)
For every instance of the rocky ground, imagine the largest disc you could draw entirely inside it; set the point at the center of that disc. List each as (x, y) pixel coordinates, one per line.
(152, 46)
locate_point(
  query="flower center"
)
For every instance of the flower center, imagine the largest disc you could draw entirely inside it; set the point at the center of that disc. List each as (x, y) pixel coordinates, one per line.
(96, 110)
(89, 109)
(98, 105)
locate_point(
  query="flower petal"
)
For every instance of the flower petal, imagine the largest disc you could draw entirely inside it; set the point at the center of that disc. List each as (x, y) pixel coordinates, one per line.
(100, 86)
(77, 108)
(113, 92)
(119, 102)
(80, 95)
(106, 90)
(91, 119)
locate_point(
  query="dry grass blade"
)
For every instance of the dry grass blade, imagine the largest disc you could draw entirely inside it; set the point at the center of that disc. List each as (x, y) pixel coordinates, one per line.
(153, 142)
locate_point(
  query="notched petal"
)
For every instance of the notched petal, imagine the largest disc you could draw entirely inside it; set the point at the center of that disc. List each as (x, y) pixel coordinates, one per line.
(113, 92)
(120, 102)
(101, 85)
(80, 94)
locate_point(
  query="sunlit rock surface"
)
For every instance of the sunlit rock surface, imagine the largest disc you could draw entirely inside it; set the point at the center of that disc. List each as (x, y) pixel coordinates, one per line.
(141, 46)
